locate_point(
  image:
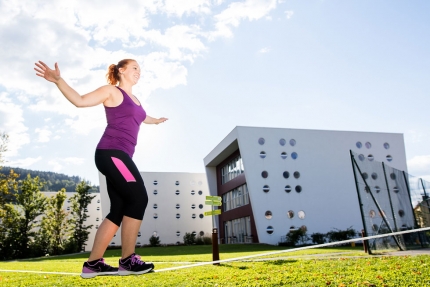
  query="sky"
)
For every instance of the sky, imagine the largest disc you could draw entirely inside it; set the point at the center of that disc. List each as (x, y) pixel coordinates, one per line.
(209, 66)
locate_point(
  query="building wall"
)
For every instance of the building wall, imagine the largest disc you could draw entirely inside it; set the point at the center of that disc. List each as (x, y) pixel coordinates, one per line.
(166, 190)
(328, 197)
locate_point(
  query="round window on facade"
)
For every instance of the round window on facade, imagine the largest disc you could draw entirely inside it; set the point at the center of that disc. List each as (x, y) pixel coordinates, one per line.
(290, 214)
(266, 188)
(287, 188)
(269, 229)
(177, 192)
(98, 207)
(301, 214)
(286, 174)
(201, 215)
(178, 215)
(375, 227)
(393, 176)
(401, 213)
(263, 154)
(155, 234)
(264, 174)
(202, 233)
(193, 216)
(178, 233)
(192, 182)
(389, 158)
(193, 192)
(361, 157)
(200, 192)
(193, 206)
(298, 188)
(178, 206)
(200, 206)
(177, 182)
(358, 144)
(268, 214)
(155, 192)
(365, 175)
(282, 142)
(372, 213)
(155, 215)
(377, 189)
(194, 233)
(97, 219)
(296, 174)
(294, 155)
(386, 145)
(292, 142)
(155, 206)
(155, 182)
(396, 189)
(139, 234)
(370, 157)
(98, 201)
(284, 155)
(261, 141)
(68, 208)
(97, 227)
(374, 175)
(292, 228)
(368, 145)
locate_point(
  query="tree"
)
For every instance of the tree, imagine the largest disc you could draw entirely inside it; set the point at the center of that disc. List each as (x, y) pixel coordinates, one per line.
(19, 217)
(54, 227)
(80, 202)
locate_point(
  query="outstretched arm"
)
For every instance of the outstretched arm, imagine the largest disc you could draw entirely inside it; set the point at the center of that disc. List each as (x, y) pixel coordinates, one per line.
(88, 100)
(151, 120)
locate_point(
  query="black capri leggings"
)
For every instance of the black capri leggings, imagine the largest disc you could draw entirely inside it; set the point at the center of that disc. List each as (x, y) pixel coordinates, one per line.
(125, 186)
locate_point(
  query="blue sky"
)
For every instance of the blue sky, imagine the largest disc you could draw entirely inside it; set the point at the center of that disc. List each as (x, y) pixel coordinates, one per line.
(212, 65)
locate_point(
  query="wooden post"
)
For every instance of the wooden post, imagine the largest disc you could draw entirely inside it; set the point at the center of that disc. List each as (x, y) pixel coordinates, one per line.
(215, 250)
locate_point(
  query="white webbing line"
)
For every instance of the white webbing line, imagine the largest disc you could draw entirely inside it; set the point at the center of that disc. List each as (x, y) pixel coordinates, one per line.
(295, 249)
(249, 256)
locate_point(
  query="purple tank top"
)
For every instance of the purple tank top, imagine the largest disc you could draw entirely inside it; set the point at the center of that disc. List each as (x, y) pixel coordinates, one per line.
(123, 123)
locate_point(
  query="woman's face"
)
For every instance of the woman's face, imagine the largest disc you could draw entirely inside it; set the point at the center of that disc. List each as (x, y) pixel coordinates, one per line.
(131, 73)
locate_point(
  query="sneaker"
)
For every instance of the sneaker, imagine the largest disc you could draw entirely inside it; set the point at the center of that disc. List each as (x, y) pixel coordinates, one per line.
(133, 265)
(96, 268)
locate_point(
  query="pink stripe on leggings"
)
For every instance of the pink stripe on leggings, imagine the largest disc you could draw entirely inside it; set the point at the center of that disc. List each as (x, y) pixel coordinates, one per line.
(123, 169)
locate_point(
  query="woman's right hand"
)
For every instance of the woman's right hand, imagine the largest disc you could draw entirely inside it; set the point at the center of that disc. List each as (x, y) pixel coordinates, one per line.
(48, 74)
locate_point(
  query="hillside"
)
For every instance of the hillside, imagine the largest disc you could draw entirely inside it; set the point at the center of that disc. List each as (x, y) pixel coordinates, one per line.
(54, 181)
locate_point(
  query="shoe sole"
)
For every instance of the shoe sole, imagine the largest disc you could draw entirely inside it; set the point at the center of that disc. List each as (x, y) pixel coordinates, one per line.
(125, 272)
(92, 275)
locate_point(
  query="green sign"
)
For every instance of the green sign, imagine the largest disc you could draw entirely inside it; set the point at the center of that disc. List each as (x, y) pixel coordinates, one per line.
(213, 212)
(216, 198)
(210, 202)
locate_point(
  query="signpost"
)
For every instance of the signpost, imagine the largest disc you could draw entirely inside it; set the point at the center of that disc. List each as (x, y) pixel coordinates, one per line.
(214, 201)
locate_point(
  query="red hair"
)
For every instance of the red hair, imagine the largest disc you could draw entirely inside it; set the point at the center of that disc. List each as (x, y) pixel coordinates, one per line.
(112, 75)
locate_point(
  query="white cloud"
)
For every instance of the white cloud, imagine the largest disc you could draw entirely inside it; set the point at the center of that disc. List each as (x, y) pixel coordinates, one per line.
(264, 50)
(289, 14)
(24, 162)
(419, 165)
(59, 163)
(181, 7)
(237, 11)
(44, 135)
(12, 123)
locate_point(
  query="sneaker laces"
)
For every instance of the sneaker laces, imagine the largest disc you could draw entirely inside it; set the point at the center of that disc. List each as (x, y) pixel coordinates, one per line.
(136, 259)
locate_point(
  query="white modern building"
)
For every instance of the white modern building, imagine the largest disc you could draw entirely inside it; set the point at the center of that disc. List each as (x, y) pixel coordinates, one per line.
(273, 180)
(176, 206)
(93, 211)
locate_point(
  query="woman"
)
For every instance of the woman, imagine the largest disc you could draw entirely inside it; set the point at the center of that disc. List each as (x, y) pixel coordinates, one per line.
(113, 158)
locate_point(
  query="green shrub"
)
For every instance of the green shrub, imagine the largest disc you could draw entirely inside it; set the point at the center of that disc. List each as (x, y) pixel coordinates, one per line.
(154, 241)
(318, 238)
(189, 238)
(340, 235)
(297, 236)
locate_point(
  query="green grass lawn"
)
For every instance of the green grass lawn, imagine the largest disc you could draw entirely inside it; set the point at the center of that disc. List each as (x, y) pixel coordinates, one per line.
(345, 266)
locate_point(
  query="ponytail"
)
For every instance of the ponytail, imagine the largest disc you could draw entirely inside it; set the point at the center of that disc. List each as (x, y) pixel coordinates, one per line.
(113, 75)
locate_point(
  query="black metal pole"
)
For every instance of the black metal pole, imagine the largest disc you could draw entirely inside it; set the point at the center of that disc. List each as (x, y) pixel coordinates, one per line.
(412, 207)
